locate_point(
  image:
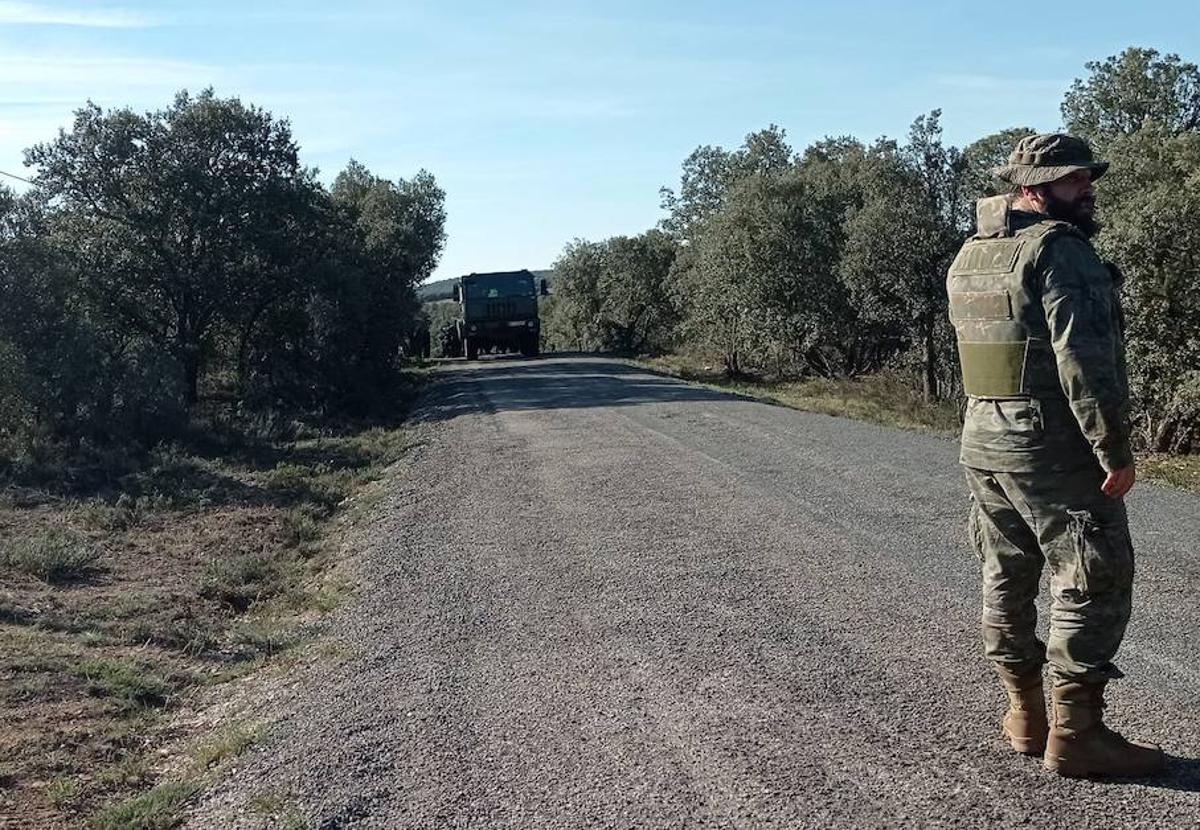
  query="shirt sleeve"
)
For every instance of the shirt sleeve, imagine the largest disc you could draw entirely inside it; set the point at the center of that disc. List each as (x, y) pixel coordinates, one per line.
(1082, 315)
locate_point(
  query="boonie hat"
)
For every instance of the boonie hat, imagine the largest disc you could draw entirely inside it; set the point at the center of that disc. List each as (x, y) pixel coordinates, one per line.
(1038, 159)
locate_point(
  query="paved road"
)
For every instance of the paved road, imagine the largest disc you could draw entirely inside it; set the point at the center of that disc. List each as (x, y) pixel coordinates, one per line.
(600, 598)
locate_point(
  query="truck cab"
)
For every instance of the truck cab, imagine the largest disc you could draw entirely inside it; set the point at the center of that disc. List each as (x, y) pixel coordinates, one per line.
(499, 312)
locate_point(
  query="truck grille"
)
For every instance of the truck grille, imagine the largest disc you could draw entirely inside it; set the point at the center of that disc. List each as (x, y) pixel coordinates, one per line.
(501, 309)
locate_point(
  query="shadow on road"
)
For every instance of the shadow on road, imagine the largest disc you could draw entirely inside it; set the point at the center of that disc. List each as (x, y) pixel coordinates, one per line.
(491, 386)
(1183, 774)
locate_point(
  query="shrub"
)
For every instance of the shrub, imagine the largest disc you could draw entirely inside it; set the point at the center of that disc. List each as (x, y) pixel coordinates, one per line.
(241, 580)
(55, 556)
(299, 527)
(1179, 426)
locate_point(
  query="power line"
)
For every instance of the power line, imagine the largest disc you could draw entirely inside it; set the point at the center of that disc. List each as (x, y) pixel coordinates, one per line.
(18, 178)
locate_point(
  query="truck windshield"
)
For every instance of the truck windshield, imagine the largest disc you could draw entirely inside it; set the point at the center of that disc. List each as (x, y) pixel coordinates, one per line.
(505, 286)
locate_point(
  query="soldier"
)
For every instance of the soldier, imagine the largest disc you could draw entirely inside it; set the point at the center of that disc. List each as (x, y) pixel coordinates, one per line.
(1045, 445)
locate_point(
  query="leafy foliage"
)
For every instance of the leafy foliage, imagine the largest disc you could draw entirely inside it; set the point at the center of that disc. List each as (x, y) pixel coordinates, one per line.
(613, 295)
(831, 262)
(185, 256)
(1132, 90)
(1152, 228)
(179, 221)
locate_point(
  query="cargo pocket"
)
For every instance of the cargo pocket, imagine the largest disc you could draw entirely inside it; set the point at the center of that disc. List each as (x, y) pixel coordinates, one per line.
(1103, 555)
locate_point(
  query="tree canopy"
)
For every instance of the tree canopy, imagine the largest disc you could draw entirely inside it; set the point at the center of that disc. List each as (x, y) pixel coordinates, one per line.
(166, 258)
(1134, 89)
(831, 261)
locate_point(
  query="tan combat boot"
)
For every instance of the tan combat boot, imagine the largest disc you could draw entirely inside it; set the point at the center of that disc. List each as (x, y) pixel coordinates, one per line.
(1025, 725)
(1080, 745)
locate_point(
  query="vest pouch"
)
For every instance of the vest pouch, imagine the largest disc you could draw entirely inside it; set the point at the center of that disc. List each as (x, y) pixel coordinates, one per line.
(994, 369)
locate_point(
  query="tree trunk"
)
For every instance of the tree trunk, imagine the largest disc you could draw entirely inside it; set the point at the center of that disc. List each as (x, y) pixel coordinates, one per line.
(733, 367)
(191, 378)
(929, 366)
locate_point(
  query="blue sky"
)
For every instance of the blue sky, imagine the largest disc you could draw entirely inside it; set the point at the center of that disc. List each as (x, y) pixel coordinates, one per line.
(549, 121)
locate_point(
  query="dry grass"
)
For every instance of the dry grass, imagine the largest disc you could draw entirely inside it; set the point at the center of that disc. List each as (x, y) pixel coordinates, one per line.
(123, 590)
(885, 399)
(1174, 470)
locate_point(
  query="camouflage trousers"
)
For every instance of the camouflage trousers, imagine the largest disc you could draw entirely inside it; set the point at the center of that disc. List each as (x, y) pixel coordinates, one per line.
(1020, 522)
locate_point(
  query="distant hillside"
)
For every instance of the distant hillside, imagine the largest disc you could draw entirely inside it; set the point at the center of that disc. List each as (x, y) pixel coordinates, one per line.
(432, 292)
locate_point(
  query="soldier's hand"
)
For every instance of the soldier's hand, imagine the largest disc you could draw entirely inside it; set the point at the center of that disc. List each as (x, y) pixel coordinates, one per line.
(1119, 482)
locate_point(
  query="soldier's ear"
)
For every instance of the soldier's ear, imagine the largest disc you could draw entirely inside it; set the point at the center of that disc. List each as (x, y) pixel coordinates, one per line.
(1034, 194)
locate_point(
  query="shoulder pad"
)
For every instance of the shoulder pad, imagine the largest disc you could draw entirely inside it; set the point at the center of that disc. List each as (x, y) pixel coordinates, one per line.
(991, 217)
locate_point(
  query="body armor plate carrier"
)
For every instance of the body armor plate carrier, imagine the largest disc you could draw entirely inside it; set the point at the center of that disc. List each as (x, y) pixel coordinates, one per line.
(995, 306)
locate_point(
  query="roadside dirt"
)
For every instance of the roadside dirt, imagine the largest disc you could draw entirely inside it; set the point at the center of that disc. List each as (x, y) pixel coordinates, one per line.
(123, 607)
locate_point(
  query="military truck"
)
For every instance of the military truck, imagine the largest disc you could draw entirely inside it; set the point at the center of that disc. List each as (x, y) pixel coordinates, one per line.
(499, 313)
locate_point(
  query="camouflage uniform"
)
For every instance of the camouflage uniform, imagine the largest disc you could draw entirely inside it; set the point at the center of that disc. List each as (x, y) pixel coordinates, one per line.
(1039, 331)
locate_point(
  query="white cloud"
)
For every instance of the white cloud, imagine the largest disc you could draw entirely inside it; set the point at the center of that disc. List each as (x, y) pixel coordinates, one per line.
(40, 14)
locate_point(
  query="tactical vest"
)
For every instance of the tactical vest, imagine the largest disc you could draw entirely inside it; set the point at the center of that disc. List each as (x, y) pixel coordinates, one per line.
(996, 307)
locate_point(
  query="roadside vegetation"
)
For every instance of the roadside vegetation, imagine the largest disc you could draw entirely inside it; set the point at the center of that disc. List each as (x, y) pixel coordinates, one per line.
(174, 569)
(817, 277)
(885, 398)
(202, 364)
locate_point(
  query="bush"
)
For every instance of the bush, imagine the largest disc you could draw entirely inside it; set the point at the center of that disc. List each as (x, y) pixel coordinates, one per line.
(241, 580)
(299, 527)
(147, 401)
(1179, 428)
(57, 555)
(15, 412)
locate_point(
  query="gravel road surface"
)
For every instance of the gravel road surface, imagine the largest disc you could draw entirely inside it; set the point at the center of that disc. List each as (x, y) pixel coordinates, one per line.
(595, 597)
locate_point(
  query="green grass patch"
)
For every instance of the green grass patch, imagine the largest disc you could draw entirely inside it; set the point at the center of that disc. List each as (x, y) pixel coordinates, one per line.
(158, 809)
(125, 513)
(55, 556)
(265, 636)
(26, 688)
(62, 791)
(226, 744)
(132, 687)
(300, 527)
(161, 807)
(328, 597)
(129, 770)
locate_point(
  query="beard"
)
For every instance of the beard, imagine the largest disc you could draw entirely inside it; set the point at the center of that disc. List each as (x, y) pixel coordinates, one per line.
(1079, 212)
